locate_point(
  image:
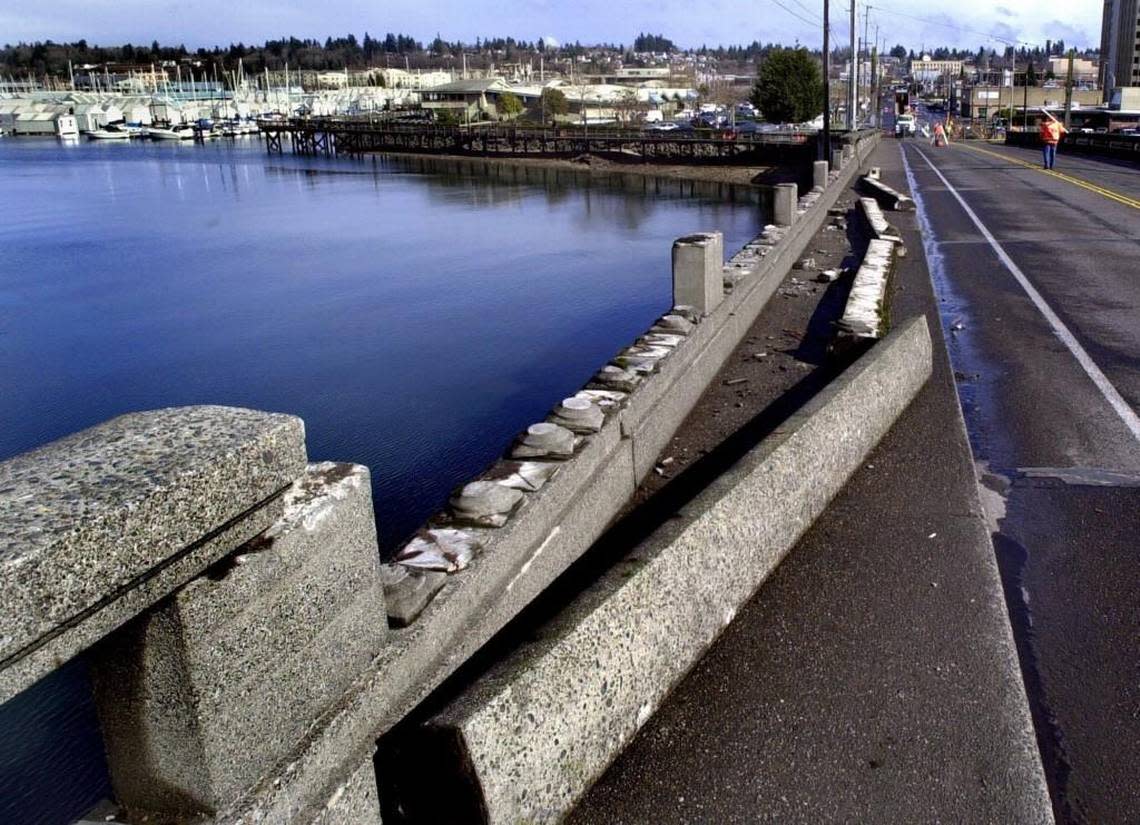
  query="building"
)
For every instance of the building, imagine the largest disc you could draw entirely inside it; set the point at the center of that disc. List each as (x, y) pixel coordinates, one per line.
(982, 102)
(1084, 71)
(1120, 45)
(59, 124)
(467, 100)
(929, 70)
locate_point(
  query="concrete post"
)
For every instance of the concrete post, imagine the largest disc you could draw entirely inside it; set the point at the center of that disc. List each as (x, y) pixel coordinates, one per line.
(199, 698)
(819, 174)
(698, 271)
(784, 206)
(837, 159)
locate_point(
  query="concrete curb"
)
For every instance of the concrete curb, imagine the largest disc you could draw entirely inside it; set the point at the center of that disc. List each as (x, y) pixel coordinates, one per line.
(530, 737)
(549, 531)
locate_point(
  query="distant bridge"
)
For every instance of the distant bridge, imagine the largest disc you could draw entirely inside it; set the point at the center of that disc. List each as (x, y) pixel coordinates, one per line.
(341, 136)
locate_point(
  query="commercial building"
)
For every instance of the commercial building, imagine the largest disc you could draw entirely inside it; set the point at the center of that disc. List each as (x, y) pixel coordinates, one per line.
(928, 69)
(1120, 45)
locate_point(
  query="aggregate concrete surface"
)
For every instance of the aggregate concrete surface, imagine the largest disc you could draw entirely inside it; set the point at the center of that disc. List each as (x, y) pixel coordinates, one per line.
(873, 677)
(1068, 550)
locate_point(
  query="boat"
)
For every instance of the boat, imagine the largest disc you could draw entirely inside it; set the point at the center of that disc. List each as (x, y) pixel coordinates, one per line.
(170, 133)
(108, 134)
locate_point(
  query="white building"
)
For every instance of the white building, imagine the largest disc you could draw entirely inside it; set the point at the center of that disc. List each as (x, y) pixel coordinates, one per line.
(58, 124)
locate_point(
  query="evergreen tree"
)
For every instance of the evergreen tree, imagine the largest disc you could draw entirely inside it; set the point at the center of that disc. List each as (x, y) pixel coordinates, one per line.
(789, 87)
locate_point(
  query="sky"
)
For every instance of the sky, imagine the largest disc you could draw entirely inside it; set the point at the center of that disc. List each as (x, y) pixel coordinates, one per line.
(689, 23)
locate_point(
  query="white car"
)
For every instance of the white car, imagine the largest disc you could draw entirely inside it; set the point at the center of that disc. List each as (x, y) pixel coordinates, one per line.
(904, 125)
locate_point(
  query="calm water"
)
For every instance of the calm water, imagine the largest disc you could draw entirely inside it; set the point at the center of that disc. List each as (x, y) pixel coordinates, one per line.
(415, 313)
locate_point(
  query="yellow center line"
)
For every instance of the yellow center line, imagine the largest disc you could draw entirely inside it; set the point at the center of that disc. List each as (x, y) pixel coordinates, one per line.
(1081, 182)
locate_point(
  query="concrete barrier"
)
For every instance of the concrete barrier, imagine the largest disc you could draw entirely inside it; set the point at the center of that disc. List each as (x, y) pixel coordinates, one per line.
(819, 174)
(698, 263)
(524, 742)
(889, 197)
(784, 204)
(102, 524)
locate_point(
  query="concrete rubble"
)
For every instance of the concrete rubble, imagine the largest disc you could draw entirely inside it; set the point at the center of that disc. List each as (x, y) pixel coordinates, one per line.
(448, 550)
(579, 415)
(408, 590)
(484, 503)
(545, 440)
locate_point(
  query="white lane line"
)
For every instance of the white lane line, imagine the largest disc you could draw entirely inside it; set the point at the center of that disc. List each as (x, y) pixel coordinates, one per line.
(1110, 393)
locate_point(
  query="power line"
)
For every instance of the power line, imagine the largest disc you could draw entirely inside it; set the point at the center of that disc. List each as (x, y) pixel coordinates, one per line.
(928, 21)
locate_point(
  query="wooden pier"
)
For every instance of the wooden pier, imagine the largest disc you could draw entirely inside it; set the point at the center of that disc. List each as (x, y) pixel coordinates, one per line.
(348, 137)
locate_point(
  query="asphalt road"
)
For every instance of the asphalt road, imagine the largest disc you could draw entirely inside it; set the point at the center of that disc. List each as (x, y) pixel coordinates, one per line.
(1040, 294)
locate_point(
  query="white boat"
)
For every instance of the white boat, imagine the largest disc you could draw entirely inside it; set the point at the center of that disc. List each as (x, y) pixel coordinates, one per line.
(170, 133)
(108, 134)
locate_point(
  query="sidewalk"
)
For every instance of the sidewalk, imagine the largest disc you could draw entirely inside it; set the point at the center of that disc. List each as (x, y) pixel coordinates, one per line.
(873, 678)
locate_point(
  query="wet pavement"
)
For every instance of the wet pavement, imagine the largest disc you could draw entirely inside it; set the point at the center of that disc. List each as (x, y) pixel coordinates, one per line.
(1049, 378)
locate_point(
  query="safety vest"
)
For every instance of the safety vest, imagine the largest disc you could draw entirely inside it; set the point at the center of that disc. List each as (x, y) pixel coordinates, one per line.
(1051, 131)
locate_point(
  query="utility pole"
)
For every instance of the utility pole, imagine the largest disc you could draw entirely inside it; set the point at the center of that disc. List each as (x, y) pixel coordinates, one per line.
(826, 146)
(875, 84)
(859, 73)
(1069, 90)
(1025, 101)
(852, 77)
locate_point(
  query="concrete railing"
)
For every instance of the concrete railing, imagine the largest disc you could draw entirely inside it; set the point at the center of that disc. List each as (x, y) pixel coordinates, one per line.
(247, 646)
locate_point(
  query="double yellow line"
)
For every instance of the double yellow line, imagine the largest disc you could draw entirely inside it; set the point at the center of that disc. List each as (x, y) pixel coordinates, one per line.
(1081, 182)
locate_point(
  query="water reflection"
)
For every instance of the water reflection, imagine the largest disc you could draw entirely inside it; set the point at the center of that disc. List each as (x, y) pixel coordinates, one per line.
(416, 313)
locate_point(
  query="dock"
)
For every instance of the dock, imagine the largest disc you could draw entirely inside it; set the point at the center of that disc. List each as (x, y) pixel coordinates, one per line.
(355, 137)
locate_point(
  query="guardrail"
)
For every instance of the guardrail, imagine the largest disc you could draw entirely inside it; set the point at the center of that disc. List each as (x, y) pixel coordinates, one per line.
(1123, 147)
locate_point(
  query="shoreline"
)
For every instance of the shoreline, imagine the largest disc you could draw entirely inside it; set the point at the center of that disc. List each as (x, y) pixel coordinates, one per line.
(597, 165)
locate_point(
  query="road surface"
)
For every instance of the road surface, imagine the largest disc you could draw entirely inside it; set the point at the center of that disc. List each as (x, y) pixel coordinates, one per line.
(1038, 276)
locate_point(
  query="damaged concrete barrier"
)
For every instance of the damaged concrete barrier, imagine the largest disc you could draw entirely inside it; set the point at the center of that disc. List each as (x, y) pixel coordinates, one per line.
(698, 261)
(888, 197)
(784, 204)
(200, 696)
(529, 738)
(102, 524)
(866, 315)
(819, 173)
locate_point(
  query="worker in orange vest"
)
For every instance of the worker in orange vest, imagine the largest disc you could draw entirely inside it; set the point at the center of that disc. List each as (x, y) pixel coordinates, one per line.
(1051, 132)
(939, 138)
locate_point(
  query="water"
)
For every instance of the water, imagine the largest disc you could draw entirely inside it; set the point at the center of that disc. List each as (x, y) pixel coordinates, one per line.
(416, 314)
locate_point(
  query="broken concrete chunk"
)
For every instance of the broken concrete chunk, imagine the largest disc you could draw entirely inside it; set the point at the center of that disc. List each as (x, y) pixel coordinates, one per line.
(687, 312)
(442, 548)
(661, 339)
(528, 476)
(578, 415)
(607, 400)
(675, 324)
(407, 591)
(642, 359)
(484, 503)
(827, 276)
(616, 378)
(545, 440)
